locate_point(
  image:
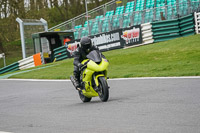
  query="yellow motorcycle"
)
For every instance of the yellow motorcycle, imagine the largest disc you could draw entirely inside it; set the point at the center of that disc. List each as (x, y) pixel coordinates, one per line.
(93, 77)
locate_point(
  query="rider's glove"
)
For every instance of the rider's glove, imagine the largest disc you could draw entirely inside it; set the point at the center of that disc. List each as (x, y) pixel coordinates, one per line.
(80, 66)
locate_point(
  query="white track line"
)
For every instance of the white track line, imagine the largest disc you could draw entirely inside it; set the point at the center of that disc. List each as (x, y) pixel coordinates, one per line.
(4, 132)
(40, 80)
(139, 78)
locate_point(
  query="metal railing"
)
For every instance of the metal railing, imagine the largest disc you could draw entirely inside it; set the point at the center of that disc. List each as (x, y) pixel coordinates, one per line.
(80, 20)
(104, 24)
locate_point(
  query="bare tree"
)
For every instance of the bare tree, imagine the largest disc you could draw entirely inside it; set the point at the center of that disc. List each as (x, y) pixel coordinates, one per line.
(97, 2)
(66, 8)
(45, 3)
(40, 4)
(32, 4)
(4, 8)
(54, 11)
(1, 44)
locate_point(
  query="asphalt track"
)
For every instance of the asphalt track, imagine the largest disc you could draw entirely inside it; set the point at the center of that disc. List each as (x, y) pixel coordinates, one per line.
(143, 105)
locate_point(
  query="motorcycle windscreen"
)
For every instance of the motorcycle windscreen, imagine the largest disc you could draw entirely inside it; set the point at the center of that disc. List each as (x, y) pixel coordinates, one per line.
(95, 56)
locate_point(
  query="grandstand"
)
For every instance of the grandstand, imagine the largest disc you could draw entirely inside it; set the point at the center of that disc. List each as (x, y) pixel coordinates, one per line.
(113, 16)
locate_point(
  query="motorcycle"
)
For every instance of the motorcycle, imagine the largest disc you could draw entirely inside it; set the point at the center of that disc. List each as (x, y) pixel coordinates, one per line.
(93, 77)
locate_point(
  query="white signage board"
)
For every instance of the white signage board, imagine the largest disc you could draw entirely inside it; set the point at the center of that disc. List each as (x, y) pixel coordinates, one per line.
(2, 55)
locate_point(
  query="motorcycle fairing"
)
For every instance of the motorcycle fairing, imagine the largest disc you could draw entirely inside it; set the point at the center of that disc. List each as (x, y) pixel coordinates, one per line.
(96, 67)
(95, 56)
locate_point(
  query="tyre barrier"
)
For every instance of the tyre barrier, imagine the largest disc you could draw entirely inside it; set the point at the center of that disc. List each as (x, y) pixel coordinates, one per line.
(197, 22)
(25, 63)
(147, 34)
(10, 68)
(60, 53)
(151, 32)
(165, 30)
(186, 25)
(171, 29)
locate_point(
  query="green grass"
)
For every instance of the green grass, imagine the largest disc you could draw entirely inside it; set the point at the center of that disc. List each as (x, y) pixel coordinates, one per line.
(178, 57)
(13, 52)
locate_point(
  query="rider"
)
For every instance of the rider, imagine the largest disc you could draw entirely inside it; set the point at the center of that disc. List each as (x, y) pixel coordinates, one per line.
(79, 55)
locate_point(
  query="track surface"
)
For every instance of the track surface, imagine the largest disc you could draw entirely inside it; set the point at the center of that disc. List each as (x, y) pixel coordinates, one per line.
(135, 106)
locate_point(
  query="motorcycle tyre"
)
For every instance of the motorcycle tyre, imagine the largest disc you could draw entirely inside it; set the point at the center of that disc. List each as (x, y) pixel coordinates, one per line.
(103, 92)
(84, 98)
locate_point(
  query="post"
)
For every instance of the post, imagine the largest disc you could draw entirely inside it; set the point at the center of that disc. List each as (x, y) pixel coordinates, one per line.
(196, 23)
(22, 37)
(87, 16)
(4, 59)
(86, 11)
(45, 24)
(3, 56)
(21, 23)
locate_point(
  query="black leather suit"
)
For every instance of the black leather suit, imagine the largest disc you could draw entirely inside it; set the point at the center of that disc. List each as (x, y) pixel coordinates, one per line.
(79, 56)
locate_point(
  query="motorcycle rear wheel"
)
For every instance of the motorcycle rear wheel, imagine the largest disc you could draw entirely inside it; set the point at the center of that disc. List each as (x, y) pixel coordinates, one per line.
(103, 89)
(84, 98)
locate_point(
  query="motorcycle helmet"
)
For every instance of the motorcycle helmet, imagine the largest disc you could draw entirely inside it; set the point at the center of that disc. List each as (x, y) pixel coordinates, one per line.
(86, 44)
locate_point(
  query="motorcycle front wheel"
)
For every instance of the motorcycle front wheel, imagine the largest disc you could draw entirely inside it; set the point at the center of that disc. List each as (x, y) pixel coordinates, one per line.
(103, 89)
(84, 98)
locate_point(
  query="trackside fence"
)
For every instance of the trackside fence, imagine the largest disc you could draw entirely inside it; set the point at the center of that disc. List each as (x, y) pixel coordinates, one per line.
(100, 22)
(147, 34)
(60, 53)
(165, 30)
(25, 63)
(133, 35)
(197, 22)
(10, 68)
(170, 29)
(186, 25)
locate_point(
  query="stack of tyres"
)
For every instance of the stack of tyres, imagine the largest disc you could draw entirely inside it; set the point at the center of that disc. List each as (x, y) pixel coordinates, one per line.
(60, 53)
(187, 25)
(165, 30)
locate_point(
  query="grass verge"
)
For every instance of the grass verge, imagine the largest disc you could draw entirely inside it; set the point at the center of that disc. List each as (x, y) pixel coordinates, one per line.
(178, 57)
(12, 52)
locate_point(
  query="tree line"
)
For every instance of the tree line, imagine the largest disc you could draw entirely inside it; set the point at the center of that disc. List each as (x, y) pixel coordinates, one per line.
(54, 11)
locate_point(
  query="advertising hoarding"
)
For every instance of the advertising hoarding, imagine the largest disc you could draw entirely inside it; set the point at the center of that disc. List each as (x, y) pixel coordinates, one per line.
(115, 39)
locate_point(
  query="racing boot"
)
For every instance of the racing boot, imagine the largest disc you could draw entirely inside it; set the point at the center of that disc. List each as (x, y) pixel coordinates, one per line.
(76, 83)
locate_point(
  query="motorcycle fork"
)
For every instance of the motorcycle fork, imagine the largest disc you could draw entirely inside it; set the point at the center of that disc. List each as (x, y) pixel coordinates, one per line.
(94, 85)
(96, 81)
